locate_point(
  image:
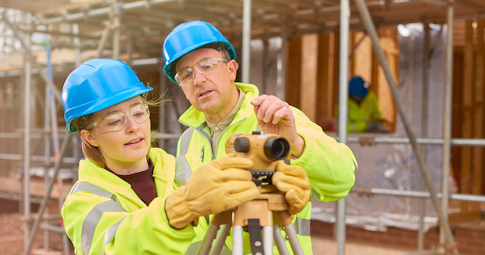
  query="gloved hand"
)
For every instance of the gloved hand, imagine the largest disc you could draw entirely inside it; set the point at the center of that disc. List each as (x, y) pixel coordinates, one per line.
(221, 185)
(292, 180)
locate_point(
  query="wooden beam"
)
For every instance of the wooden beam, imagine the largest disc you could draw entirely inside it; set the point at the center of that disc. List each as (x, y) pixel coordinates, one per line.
(456, 131)
(336, 64)
(325, 77)
(379, 83)
(308, 90)
(293, 72)
(362, 58)
(478, 114)
(466, 153)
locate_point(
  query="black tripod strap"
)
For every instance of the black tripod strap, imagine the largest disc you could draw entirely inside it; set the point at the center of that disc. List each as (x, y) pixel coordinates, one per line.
(254, 229)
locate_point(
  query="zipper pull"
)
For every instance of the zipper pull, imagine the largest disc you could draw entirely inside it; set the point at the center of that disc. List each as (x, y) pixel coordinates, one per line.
(202, 154)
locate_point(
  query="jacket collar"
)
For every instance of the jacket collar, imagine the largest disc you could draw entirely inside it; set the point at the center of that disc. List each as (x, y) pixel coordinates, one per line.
(90, 172)
(195, 118)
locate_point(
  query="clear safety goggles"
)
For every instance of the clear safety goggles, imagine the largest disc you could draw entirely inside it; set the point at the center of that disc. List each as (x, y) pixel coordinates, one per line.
(117, 121)
(205, 67)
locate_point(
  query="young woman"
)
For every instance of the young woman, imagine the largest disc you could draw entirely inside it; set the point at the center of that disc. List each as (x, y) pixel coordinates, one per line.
(126, 200)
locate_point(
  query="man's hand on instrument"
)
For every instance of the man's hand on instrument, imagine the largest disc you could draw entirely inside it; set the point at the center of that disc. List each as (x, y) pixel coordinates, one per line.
(275, 117)
(292, 180)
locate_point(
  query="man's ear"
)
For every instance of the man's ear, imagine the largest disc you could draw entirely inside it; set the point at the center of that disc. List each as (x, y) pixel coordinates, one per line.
(88, 137)
(233, 66)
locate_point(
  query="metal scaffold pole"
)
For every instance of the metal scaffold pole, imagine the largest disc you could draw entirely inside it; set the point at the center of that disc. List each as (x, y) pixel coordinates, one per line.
(370, 28)
(27, 118)
(116, 29)
(424, 129)
(342, 116)
(45, 199)
(447, 115)
(51, 104)
(77, 43)
(102, 41)
(246, 42)
(281, 89)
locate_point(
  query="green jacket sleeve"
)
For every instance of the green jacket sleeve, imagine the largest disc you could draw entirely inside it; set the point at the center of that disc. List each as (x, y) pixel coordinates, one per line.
(330, 165)
(99, 225)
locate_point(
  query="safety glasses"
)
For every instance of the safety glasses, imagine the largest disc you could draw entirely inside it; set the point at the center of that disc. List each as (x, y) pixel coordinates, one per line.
(117, 121)
(205, 67)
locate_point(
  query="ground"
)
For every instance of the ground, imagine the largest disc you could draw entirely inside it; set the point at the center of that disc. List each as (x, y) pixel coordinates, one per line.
(12, 237)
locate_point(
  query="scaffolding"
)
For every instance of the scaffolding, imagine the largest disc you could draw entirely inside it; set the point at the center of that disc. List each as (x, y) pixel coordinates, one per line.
(151, 20)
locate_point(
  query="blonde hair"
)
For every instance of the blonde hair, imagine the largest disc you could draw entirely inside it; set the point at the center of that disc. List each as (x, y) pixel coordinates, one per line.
(93, 153)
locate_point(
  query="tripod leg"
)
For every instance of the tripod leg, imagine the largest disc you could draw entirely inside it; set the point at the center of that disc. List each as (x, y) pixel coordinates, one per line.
(295, 244)
(207, 241)
(237, 240)
(220, 240)
(280, 242)
(268, 240)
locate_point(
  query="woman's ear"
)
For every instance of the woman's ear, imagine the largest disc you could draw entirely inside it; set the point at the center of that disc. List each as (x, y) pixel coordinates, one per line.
(88, 137)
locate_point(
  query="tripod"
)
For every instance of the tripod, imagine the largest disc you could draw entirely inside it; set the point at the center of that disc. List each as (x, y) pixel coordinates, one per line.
(268, 211)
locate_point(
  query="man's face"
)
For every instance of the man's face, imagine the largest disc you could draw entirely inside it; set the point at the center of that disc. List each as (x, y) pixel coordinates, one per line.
(209, 93)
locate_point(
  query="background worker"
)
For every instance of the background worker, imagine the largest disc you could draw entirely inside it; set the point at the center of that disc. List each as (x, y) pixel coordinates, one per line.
(125, 200)
(364, 111)
(202, 62)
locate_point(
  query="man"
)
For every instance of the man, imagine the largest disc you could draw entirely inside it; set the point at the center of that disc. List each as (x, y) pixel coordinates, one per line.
(202, 62)
(364, 111)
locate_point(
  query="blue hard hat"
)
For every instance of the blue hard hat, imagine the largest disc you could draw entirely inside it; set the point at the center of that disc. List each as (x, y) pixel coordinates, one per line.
(98, 84)
(358, 87)
(187, 37)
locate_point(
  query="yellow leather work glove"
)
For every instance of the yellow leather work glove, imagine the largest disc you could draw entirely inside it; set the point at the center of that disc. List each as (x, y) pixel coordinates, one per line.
(292, 180)
(221, 185)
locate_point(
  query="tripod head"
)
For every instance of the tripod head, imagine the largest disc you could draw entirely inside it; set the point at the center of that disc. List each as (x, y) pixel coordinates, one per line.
(265, 150)
(267, 212)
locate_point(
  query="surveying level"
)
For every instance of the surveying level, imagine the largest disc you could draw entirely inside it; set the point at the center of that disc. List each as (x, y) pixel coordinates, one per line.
(267, 212)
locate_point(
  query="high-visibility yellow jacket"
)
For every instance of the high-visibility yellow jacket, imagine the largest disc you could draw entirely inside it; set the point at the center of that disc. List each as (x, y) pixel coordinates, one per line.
(103, 215)
(330, 165)
(362, 114)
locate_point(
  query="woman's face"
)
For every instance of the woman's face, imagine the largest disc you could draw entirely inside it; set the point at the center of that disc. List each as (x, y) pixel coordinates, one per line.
(124, 147)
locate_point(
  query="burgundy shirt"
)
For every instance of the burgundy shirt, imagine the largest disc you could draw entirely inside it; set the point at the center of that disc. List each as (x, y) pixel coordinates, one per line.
(142, 183)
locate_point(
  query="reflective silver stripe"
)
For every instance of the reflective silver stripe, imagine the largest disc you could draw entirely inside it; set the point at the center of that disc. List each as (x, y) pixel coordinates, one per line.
(182, 170)
(315, 194)
(110, 234)
(86, 186)
(302, 227)
(92, 219)
(184, 141)
(194, 248)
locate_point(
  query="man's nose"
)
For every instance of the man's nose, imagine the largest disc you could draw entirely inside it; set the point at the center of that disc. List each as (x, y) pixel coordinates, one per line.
(199, 78)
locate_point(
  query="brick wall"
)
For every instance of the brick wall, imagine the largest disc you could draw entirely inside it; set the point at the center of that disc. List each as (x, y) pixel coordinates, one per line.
(469, 241)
